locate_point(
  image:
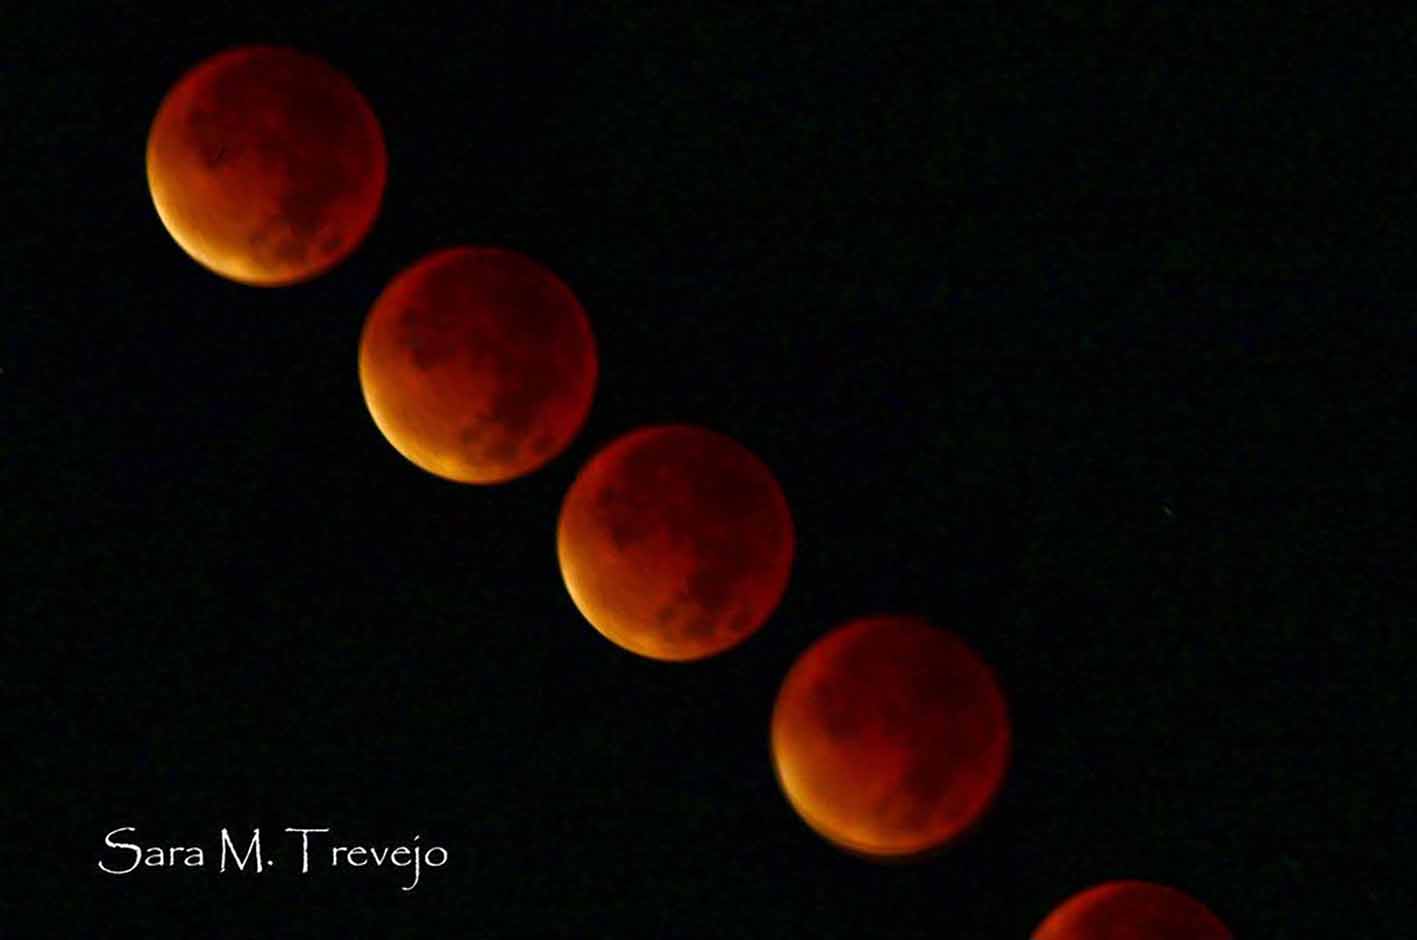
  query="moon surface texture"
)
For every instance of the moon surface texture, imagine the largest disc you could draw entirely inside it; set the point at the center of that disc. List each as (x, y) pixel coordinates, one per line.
(890, 737)
(478, 364)
(1131, 910)
(675, 542)
(266, 165)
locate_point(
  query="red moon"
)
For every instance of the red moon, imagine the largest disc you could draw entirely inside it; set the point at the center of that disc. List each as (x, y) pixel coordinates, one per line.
(675, 542)
(477, 364)
(1131, 910)
(266, 165)
(890, 737)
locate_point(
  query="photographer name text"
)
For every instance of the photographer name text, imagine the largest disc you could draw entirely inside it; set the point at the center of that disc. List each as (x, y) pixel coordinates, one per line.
(304, 849)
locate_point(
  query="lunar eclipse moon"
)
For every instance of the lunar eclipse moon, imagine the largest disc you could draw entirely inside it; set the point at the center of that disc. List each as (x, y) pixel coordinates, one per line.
(675, 542)
(266, 165)
(1131, 910)
(478, 364)
(890, 737)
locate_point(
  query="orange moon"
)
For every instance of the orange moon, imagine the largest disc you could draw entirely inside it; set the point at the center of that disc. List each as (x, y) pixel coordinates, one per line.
(477, 364)
(1131, 910)
(890, 737)
(675, 542)
(266, 165)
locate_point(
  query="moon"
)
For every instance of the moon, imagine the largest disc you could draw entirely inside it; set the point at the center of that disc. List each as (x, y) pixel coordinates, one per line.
(675, 542)
(477, 364)
(890, 737)
(1131, 910)
(266, 165)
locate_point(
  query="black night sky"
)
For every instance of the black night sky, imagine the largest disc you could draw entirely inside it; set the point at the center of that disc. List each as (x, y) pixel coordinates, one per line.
(1072, 331)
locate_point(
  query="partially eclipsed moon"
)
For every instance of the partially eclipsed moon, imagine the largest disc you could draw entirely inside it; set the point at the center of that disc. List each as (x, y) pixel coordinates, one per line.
(675, 542)
(890, 737)
(266, 165)
(1131, 910)
(477, 364)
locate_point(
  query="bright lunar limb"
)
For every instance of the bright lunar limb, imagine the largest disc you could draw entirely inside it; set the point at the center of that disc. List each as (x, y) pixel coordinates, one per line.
(266, 165)
(675, 542)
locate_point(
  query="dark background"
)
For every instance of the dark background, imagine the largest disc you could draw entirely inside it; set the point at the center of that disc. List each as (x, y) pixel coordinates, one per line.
(1082, 333)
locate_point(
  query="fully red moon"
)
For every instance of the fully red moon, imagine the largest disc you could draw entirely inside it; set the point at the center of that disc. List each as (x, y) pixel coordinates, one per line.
(266, 165)
(675, 542)
(890, 737)
(1131, 910)
(478, 364)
